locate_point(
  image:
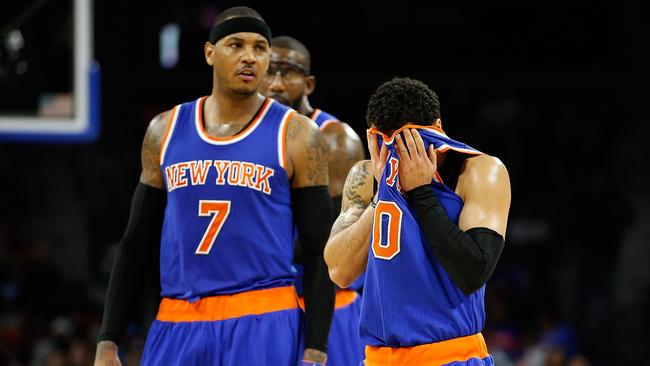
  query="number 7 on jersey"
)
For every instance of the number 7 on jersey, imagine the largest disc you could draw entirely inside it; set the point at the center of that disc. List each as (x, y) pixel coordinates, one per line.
(220, 211)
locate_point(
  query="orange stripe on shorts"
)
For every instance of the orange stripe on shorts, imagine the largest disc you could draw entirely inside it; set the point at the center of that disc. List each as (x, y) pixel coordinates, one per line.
(223, 307)
(439, 353)
(343, 299)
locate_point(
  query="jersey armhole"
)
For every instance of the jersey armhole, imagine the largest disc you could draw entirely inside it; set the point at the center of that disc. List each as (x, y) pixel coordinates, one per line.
(282, 138)
(169, 132)
(327, 123)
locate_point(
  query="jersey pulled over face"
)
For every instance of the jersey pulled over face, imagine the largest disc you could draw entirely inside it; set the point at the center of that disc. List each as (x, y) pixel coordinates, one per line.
(408, 297)
(228, 224)
(241, 61)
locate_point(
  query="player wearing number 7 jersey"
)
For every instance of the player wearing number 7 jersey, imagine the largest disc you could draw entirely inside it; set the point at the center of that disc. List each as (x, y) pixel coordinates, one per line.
(228, 175)
(428, 241)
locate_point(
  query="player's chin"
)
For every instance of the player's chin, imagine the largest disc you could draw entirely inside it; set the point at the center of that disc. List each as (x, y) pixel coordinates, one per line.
(245, 89)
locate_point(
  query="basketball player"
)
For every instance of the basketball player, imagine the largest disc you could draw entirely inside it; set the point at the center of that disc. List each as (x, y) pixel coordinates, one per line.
(289, 80)
(429, 239)
(227, 175)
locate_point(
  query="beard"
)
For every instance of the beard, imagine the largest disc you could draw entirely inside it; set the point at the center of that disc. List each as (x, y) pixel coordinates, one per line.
(295, 104)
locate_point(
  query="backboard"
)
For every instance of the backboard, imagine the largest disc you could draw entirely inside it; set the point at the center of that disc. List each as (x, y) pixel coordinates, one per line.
(49, 85)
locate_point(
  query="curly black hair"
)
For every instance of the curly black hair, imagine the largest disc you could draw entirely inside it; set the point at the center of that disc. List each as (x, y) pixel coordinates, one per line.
(401, 101)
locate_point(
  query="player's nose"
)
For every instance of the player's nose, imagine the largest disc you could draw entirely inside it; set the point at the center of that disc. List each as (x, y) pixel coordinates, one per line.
(248, 55)
(276, 84)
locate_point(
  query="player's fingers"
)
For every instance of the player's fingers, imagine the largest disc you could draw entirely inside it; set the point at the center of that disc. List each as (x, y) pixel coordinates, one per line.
(433, 158)
(419, 143)
(383, 154)
(373, 147)
(400, 149)
(410, 143)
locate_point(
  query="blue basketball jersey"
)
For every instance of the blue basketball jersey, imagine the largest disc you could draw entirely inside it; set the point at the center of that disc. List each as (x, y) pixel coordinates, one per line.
(408, 297)
(228, 224)
(323, 118)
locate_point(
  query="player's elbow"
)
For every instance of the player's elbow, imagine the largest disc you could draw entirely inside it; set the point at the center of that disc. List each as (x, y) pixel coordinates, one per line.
(469, 288)
(339, 277)
(473, 282)
(335, 268)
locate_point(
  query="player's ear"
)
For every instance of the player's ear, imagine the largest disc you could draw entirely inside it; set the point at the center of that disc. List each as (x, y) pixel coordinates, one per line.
(310, 84)
(438, 123)
(208, 51)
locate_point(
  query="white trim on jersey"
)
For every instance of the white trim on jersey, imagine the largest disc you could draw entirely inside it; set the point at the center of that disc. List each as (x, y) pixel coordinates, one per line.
(315, 115)
(170, 131)
(328, 122)
(282, 153)
(444, 147)
(227, 140)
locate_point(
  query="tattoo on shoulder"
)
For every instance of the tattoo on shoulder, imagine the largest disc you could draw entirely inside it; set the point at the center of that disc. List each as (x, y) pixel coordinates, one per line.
(356, 179)
(317, 159)
(353, 203)
(292, 129)
(151, 147)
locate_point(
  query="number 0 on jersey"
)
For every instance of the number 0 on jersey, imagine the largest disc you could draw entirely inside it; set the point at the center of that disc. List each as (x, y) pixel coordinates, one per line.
(386, 238)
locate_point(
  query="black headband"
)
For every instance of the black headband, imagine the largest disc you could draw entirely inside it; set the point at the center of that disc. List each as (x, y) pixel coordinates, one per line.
(239, 24)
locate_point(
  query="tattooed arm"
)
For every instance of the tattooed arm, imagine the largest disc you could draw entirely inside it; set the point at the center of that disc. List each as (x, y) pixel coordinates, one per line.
(135, 253)
(345, 149)
(150, 155)
(312, 212)
(307, 153)
(346, 252)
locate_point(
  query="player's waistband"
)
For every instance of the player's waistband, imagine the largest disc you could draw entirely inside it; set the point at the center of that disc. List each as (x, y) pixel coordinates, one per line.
(223, 307)
(343, 299)
(439, 353)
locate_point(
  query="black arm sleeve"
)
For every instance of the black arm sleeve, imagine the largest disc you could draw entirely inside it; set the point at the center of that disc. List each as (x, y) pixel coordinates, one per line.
(135, 256)
(469, 258)
(337, 201)
(312, 212)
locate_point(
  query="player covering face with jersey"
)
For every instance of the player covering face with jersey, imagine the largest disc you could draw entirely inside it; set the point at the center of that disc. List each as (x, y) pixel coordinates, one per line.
(429, 239)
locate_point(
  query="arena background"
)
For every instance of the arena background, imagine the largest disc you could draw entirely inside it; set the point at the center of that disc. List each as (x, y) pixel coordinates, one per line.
(557, 89)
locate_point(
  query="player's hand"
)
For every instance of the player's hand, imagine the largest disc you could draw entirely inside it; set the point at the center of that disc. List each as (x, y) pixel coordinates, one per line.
(417, 166)
(314, 356)
(377, 156)
(106, 354)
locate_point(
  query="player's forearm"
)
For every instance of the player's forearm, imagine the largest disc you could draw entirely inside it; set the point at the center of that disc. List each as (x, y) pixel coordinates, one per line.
(319, 295)
(469, 257)
(346, 252)
(312, 208)
(135, 256)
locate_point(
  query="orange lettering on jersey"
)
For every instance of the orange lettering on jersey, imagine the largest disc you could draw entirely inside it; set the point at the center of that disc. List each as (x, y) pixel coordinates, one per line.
(234, 174)
(181, 180)
(199, 171)
(248, 172)
(263, 175)
(222, 167)
(170, 172)
(394, 166)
